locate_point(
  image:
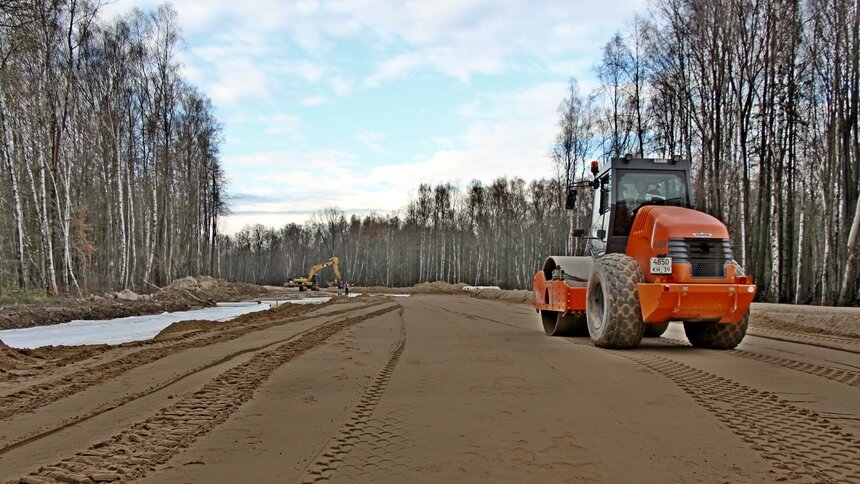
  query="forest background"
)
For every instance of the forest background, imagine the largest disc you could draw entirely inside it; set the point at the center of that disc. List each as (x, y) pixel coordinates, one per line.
(111, 178)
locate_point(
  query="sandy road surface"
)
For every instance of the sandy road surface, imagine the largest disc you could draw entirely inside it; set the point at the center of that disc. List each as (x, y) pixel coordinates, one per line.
(434, 388)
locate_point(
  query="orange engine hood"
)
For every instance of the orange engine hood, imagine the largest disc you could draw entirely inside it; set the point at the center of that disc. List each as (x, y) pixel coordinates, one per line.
(655, 225)
(659, 223)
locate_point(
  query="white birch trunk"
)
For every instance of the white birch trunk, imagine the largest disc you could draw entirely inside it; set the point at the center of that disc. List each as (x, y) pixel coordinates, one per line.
(421, 257)
(800, 240)
(478, 268)
(388, 260)
(844, 296)
(743, 240)
(45, 229)
(67, 216)
(123, 242)
(774, 248)
(825, 259)
(18, 213)
(132, 253)
(152, 232)
(571, 215)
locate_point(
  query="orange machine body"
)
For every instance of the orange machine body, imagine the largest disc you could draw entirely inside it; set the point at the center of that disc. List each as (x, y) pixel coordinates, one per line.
(689, 237)
(556, 295)
(668, 231)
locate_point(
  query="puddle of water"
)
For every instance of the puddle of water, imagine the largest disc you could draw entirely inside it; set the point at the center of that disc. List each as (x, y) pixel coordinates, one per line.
(136, 328)
(120, 330)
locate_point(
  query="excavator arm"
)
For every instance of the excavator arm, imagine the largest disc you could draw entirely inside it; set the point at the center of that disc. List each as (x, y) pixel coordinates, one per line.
(322, 265)
(302, 283)
(335, 265)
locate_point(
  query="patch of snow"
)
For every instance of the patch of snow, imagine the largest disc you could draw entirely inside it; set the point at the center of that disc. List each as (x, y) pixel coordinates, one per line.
(120, 330)
(478, 288)
(307, 300)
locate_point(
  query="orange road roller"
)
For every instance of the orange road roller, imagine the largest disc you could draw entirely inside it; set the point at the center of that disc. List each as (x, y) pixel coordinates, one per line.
(652, 259)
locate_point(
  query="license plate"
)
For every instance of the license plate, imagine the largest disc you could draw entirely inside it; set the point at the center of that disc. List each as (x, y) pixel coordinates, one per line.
(661, 265)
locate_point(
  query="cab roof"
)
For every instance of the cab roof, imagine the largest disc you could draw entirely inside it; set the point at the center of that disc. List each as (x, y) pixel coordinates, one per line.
(629, 162)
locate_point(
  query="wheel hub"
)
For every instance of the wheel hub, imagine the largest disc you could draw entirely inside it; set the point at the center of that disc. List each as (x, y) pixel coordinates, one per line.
(597, 306)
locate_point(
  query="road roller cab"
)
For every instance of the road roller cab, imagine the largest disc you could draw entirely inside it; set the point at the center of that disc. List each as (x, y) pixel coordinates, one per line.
(651, 259)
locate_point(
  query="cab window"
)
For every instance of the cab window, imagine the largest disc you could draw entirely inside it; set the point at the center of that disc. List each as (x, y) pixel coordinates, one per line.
(638, 188)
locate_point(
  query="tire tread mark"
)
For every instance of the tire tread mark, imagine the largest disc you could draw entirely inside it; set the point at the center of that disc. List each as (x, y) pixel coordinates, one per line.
(44, 393)
(839, 375)
(356, 430)
(133, 452)
(850, 345)
(795, 439)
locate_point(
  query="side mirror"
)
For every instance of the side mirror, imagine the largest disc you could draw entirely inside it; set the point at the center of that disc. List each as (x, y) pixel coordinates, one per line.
(570, 202)
(601, 234)
(604, 201)
(595, 184)
(579, 232)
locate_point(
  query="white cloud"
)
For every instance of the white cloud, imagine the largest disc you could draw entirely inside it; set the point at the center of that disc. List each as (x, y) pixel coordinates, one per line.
(395, 68)
(463, 38)
(373, 140)
(510, 136)
(341, 86)
(459, 38)
(284, 124)
(307, 71)
(311, 101)
(257, 56)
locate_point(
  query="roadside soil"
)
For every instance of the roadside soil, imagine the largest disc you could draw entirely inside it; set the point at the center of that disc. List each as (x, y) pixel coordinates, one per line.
(444, 386)
(180, 295)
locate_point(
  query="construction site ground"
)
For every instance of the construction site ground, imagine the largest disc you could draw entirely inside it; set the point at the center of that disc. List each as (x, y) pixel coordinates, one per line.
(441, 386)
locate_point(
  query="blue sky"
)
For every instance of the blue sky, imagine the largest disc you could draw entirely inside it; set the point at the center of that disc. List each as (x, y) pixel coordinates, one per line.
(352, 104)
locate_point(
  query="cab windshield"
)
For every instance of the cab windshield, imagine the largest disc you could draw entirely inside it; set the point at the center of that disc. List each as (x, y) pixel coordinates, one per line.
(638, 188)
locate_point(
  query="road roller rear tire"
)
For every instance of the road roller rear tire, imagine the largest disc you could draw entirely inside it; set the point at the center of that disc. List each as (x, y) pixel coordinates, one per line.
(717, 336)
(612, 302)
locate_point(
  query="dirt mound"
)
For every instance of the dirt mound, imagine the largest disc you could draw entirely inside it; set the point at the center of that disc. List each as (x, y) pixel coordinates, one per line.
(380, 290)
(128, 295)
(494, 293)
(10, 359)
(438, 288)
(18, 362)
(63, 310)
(512, 296)
(208, 289)
(180, 295)
(840, 321)
(183, 328)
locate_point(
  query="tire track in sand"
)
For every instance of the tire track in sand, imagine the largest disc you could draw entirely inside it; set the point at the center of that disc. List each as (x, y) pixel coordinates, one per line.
(851, 345)
(45, 393)
(372, 438)
(839, 375)
(71, 421)
(144, 445)
(795, 439)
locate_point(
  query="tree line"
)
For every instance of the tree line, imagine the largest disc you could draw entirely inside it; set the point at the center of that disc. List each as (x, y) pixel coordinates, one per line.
(108, 156)
(761, 95)
(110, 172)
(492, 234)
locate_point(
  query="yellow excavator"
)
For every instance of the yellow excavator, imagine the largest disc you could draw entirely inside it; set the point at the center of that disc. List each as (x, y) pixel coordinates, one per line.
(305, 283)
